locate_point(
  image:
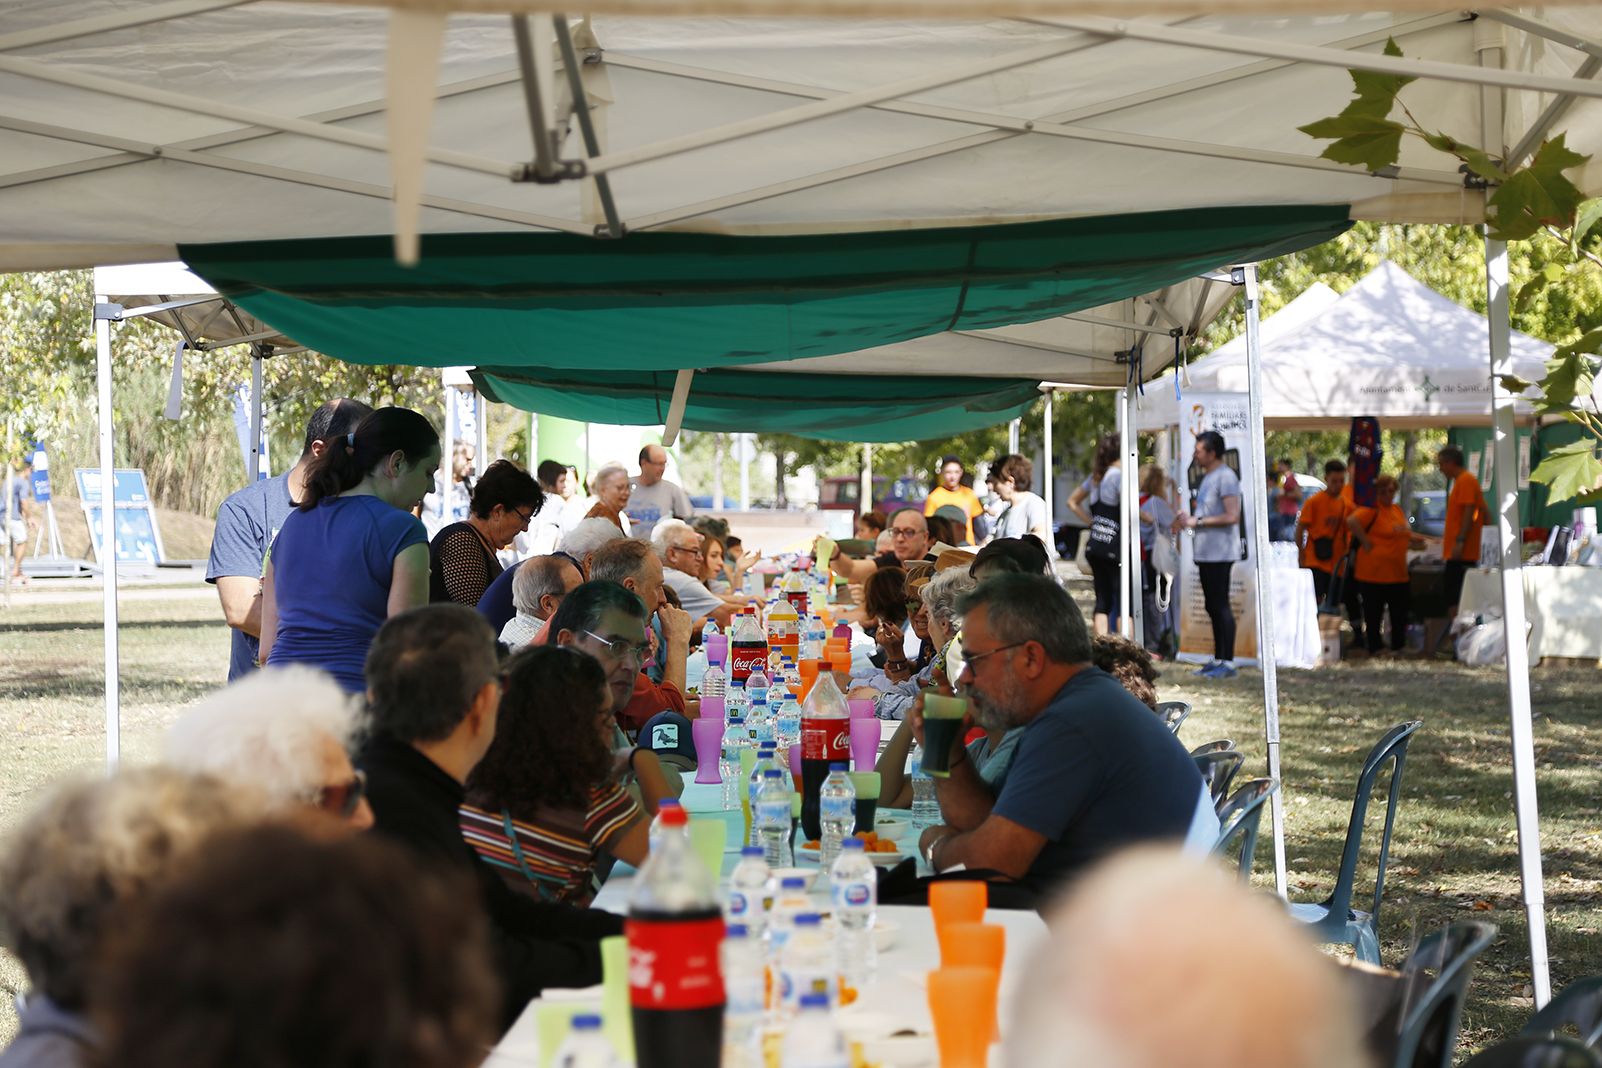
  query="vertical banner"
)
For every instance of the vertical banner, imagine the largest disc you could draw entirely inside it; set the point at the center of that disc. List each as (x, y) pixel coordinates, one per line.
(41, 474)
(1226, 413)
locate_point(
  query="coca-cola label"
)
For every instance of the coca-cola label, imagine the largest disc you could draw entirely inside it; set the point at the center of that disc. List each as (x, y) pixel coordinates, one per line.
(826, 739)
(743, 660)
(798, 600)
(673, 964)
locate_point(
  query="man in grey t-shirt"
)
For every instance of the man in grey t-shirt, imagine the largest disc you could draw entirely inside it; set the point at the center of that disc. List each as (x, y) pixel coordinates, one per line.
(653, 497)
(1216, 528)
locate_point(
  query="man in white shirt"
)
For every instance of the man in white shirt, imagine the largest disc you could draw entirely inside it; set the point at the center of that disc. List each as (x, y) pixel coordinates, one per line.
(679, 546)
(653, 497)
(537, 592)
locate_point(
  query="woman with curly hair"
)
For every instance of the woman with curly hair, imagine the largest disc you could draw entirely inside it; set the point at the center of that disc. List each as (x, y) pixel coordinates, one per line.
(547, 803)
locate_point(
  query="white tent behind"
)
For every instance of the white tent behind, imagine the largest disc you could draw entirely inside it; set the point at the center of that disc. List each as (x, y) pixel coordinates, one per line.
(1389, 347)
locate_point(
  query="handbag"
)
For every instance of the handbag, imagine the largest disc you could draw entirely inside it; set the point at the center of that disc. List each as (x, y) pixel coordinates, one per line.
(1105, 526)
(1323, 548)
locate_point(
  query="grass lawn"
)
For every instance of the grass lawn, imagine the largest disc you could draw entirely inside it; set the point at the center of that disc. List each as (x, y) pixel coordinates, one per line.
(1454, 855)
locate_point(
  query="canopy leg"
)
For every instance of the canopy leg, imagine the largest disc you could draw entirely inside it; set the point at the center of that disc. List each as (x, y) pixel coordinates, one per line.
(108, 528)
(1504, 446)
(1247, 276)
(865, 484)
(1134, 584)
(1050, 484)
(254, 473)
(1012, 436)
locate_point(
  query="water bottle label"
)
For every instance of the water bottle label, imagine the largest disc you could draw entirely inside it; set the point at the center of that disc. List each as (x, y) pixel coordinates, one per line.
(774, 812)
(738, 904)
(673, 963)
(855, 894)
(837, 808)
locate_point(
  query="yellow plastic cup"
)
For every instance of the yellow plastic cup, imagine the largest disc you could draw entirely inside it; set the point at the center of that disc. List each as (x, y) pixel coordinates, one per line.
(709, 836)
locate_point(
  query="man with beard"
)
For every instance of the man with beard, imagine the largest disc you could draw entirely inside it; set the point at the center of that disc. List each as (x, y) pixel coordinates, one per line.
(1094, 770)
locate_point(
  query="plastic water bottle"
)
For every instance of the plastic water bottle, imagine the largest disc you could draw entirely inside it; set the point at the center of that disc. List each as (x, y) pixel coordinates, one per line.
(745, 984)
(854, 889)
(759, 719)
(753, 786)
(658, 823)
(813, 1039)
(772, 820)
(756, 687)
(806, 965)
(735, 701)
(714, 682)
(789, 901)
(748, 884)
(787, 724)
(837, 813)
(925, 806)
(734, 740)
(585, 1045)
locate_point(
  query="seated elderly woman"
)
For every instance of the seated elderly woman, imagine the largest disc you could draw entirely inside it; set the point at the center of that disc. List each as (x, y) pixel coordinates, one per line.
(546, 806)
(70, 870)
(889, 610)
(275, 948)
(285, 733)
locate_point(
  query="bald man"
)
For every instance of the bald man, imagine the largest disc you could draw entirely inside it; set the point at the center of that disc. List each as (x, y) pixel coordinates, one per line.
(909, 541)
(653, 497)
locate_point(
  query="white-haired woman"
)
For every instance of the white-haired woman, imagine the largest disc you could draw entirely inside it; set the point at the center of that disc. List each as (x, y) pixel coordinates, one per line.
(71, 869)
(609, 493)
(284, 733)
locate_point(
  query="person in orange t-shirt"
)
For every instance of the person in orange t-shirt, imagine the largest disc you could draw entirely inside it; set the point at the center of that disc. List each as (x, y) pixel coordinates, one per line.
(952, 491)
(1321, 528)
(1465, 515)
(1383, 537)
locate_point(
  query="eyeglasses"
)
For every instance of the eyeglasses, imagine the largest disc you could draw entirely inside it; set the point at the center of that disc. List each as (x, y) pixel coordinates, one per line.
(973, 658)
(691, 549)
(341, 800)
(623, 650)
(905, 532)
(524, 518)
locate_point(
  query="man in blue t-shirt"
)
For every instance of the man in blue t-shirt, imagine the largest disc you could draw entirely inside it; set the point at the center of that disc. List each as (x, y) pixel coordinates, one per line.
(17, 520)
(1094, 770)
(247, 523)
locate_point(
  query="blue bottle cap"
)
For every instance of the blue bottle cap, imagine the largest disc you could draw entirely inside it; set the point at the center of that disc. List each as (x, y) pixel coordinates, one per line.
(737, 930)
(814, 1001)
(669, 802)
(838, 767)
(808, 919)
(772, 773)
(852, 842)
(793, 882)
(751, 851)
(586, 1021)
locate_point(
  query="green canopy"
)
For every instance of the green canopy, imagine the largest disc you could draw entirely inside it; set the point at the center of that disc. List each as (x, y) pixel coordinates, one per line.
(830, 407)
(667, 300)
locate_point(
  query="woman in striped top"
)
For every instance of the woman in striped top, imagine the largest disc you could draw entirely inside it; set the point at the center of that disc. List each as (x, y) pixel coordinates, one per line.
(546, 806)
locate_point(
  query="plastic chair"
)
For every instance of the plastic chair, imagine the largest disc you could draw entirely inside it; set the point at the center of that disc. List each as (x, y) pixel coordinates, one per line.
(1218, 770)
(1238, 818)
(1333, 920)
(1217, 746)
(1173, 713)
(1435, 980)
(1557, 1051)
(1578, 1005)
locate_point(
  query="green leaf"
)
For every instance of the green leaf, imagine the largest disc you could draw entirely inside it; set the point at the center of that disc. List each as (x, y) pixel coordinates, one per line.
(1590, 342)
(1568, 376)
(1514, 384)
(1477, 160)
(1570, 471)
(1375, 88)
(1588, 215)
(1359, 140)
(1537, 195)
(1530, 290)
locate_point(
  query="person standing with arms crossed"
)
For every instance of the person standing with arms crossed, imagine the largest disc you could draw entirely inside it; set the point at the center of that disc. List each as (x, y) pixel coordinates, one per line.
(1465, 517)
(1216, 548)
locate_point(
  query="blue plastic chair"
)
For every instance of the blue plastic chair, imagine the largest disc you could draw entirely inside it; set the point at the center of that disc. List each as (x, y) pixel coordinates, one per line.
(1578, 1005)
(1173, 713)
(1333, 920)
(1557, 1051)
(1435, 980)
(1218, 770)
(1238, 819)
(1217, 746)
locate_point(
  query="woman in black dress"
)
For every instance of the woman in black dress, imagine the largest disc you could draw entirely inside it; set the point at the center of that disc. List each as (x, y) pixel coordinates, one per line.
(461, 558)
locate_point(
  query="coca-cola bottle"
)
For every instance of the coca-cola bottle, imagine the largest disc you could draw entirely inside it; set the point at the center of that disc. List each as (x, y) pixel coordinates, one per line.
(825, 740)
(675, 932)
(748, 646)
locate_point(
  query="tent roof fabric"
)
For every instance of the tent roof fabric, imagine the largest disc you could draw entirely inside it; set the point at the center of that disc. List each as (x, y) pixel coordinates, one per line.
(1389, 347)
(126, 130)
(189, 306)
(668, 301)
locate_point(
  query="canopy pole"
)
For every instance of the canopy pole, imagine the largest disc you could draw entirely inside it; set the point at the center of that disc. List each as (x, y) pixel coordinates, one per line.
(11, 473)
(1488, 43)
(481, 432)
(104, 313)
(865, 482)
(1121, 407)
(447, 462)
(533, 440)
(745, 472)
(1134, 584)
(681, 397)
(254, 473)
(1012, 436)
(1247, 277)
(1051, 476)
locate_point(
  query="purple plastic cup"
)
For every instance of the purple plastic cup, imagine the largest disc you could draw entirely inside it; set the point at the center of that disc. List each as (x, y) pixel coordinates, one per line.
(707, 733)
(712, 708)
(865, 734)
(861, 707)
(717, 649)
(795, 763)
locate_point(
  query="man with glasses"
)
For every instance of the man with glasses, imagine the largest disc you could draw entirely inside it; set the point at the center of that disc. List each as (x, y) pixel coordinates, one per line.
(680, 548)
(653, 498)
(632, 565)
(1094, 770)
(434, 691)
(909, 541)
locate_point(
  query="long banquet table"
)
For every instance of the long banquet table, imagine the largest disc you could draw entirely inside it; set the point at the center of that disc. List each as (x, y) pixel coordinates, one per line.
(894, 1001)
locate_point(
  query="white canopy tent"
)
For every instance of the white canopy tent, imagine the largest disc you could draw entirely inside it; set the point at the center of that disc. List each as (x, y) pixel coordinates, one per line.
(1389, 347)
(128, 130)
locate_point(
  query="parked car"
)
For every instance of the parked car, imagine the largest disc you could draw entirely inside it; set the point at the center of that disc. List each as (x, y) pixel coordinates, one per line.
(840, 493)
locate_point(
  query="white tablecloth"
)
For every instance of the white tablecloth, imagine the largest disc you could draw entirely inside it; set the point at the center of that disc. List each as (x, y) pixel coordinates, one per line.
(1295, 618)
(1563, 604)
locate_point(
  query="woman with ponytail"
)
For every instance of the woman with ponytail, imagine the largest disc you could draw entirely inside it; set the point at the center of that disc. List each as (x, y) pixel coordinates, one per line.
(353, 554)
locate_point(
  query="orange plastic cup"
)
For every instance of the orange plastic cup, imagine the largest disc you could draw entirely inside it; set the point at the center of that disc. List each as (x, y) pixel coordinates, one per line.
(954, 901)
(962, 1002)
(973, 945)
(809, 674)
(840, 660)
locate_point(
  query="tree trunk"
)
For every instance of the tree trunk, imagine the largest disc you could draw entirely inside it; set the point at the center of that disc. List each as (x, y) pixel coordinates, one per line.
(1405, 490)
(780, 463)
(717, 471)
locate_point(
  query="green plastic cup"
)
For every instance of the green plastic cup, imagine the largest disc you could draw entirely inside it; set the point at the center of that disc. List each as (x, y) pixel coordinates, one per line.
(616, 1021)
(942, 726)
(709, 836)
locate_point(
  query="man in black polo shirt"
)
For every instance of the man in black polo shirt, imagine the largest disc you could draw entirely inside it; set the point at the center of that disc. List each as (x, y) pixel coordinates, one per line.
(1094, 770)
(434, 686)
(909, 541)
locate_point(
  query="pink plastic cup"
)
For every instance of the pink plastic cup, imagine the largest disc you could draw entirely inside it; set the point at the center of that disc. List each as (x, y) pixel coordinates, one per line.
(795, 763)
(865, 734)
(861, 707)
(707, 733)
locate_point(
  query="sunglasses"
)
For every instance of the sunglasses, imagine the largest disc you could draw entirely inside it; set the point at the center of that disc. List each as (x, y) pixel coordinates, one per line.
(341, 800)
